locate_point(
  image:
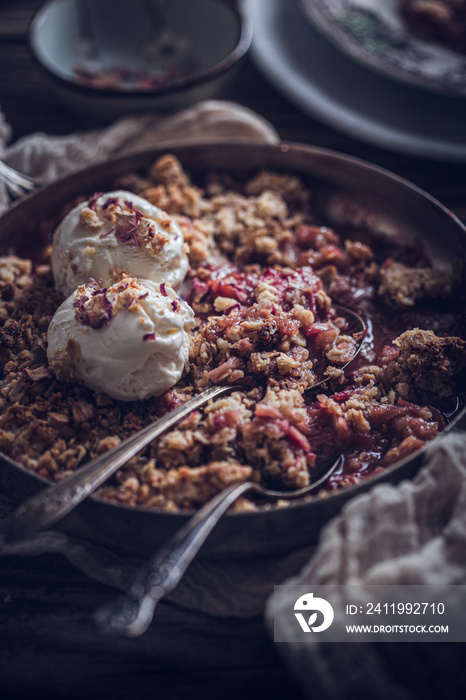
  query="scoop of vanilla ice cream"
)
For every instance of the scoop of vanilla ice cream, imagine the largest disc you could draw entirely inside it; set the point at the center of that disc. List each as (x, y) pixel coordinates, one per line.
(117, 230)
(128, 340)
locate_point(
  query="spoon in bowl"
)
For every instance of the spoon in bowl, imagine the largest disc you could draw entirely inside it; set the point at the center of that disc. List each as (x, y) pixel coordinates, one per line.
(54, 502)
(131, 615)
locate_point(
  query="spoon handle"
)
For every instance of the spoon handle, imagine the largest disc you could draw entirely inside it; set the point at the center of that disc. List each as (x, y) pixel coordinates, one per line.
(53, 503)
(132, 614)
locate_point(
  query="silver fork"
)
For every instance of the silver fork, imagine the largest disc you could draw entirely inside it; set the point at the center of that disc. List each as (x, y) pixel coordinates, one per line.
(18, 185)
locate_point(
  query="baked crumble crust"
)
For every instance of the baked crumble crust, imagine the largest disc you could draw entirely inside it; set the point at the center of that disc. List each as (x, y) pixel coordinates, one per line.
(402, 286)
(264, 277)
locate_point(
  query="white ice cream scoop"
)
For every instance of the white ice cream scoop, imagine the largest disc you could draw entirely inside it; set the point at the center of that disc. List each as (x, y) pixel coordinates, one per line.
(118, 230)
(128, 340)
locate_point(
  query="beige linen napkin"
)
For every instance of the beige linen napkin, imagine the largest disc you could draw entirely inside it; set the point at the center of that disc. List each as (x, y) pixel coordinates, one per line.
(50, 157)
(410, 534)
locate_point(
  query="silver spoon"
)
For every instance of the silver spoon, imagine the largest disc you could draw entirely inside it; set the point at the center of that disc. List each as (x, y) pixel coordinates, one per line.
(54, 502)
(132, 614)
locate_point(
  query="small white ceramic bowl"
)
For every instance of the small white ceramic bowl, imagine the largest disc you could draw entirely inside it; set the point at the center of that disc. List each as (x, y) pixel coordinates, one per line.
(114, 57)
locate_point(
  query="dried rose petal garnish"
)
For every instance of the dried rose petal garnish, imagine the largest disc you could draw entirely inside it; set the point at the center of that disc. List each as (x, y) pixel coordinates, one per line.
(130, 224)
(94, 309)
(110, 202)
(93, 200)
(126, 226)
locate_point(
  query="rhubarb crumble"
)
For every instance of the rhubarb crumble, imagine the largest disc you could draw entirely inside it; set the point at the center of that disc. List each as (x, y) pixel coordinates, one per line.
(265, 281)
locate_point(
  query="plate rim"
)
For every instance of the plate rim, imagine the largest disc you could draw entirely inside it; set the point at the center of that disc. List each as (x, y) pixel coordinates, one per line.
(275, 63)
(321, 17)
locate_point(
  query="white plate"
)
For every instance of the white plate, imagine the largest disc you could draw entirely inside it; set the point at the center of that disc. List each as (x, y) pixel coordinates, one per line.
(373, 33)
(321, 81)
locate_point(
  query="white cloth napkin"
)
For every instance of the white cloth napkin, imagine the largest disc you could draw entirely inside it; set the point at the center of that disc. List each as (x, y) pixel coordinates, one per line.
(411, 533)
(50, 157)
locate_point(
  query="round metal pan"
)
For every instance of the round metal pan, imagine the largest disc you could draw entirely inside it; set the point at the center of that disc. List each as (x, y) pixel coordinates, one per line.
(346, 191)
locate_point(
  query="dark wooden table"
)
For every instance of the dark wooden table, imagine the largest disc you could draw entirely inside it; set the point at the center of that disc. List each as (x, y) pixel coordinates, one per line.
(48, 645)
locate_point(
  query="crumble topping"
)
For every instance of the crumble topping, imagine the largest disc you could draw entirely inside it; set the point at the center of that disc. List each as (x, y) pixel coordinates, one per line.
(265, 277)
(403, 286)
(425, 365)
